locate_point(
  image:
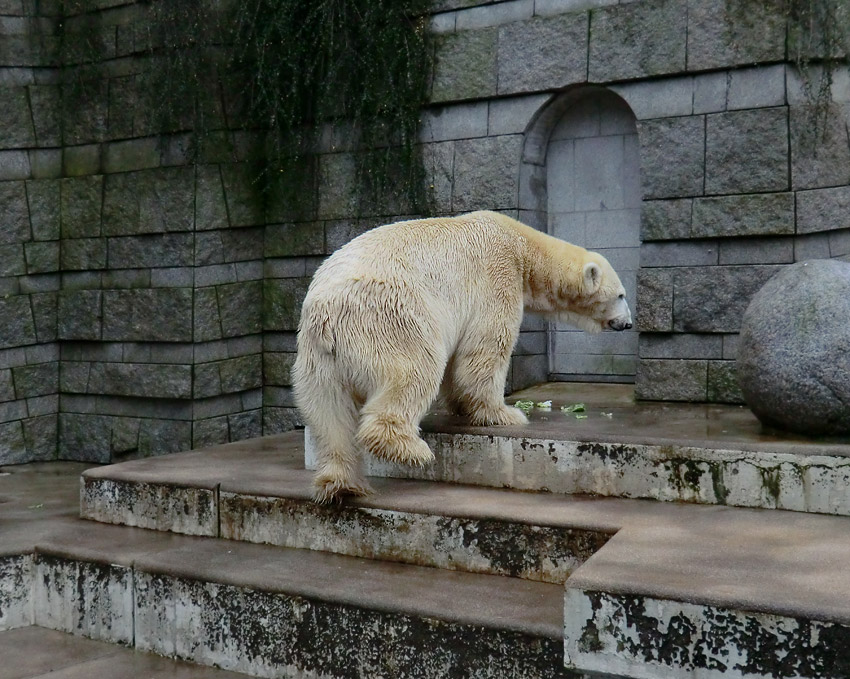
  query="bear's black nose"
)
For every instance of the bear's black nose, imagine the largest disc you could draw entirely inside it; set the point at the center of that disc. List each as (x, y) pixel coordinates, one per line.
(628, 326)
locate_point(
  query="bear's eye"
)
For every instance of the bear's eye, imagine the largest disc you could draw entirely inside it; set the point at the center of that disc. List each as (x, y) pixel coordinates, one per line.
(622, 297)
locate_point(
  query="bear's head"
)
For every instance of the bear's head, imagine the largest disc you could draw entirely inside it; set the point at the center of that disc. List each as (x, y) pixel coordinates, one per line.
(598, 301)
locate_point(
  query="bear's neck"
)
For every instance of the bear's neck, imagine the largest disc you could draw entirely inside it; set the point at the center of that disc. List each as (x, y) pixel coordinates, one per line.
(550, 266)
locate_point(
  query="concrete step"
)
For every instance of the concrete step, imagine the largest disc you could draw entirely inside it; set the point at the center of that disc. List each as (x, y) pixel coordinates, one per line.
(271, 612)
(258, 491)
(696, 454)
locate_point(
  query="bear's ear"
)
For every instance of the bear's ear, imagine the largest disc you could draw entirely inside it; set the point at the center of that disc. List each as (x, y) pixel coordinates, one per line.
(592, 277)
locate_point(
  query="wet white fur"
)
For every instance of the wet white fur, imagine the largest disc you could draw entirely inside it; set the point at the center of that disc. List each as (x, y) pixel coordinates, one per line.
(411, 307)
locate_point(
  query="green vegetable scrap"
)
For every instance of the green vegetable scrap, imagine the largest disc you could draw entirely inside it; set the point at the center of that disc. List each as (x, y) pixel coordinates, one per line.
(543, 405)
(574, 408)
(581, 417)
(525, 406)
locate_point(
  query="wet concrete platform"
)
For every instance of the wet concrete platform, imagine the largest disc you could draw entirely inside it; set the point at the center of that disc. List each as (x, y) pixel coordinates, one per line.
(612, 414)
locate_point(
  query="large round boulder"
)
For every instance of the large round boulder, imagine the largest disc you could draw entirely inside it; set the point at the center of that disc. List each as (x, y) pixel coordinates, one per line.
(794, 350)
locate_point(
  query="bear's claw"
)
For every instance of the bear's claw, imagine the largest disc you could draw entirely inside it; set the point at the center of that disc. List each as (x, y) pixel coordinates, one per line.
(327, 489)
(506, 416)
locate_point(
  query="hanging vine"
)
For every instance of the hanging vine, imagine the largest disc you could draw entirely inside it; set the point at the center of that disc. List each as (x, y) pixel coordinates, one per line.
(303, 77)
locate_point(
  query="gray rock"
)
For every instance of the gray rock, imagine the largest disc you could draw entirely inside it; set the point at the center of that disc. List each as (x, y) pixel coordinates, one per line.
(282, 300)
(157, 315)
(43, 196)
(823, 209)
(665, 219)
(279, 420)
(241, 374)
(15, 120)
(12, 262)
(79, 315)
(210, 432)
(40, 437)
(723, 384)
(667, 143)
(747, 151)
(44, 308)
(42, 257)
(141, 380)
(820, 154)
(277, 368)
(83, 254)
(206, 321)
(240, 306)
(81, 199)
(637, 40)
(794, 354)
(466, 65)
(543, 53)
(12, 447)
(242, 191)
(36, 380)
(654, 302)
(85, 437)
(136, 252)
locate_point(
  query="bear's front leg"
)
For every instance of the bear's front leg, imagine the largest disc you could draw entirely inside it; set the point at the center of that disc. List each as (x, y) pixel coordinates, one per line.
(480, 367)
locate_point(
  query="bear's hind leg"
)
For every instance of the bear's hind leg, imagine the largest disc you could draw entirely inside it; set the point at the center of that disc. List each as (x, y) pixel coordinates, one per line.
(389, 421)
(479, 380)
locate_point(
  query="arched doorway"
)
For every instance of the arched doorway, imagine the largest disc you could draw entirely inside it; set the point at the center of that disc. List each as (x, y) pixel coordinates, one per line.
(593, 199)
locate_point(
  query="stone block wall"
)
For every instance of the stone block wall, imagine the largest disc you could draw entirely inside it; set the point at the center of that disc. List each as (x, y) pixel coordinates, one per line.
(149, 297)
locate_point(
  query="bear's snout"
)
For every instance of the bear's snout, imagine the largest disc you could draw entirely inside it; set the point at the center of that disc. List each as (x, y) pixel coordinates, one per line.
(619, 324)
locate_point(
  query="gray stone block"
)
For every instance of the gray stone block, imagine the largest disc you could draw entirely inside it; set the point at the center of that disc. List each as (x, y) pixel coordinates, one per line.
(213, 407)
(656, 345)
(17, 328)
(206, 320)
(79, 315)
(42, 353)
(127, 278)
(83, 254)
(671, 380)
(654, 302)
(723, 384)
(710, 92)
(251, 400)
(337, 198)
(134, 154)
(285, 268)
(178, 277)
(46, 103)
(149, 201)
(513, 115)
(756, 87)
(241, 374)
(465, 65)
(74, 376)
(158, 315)
(494, 15)
(275, 341)
(38, 283)
(757, 251)
(277, 368)
(291, 240)
(662, 98)
(207, 381)
(18, 355)
(811, 246)
(240, 306)
(13, 208)
(722, 34)
(637, 40)
(279, 396)
(839, 243)
(245, 425)
(672, 143)
(242, 192)
(823, 209)
(125, 435)
(16, 126)
(820, 154)
(279, 420)
(210, 432)
(81, 199)
(44, 208)
(13, 410)
(14, 165)
(43, 405)
(542, 53)
(525, 371)
(461, 121)
(438, 160)
(141, 380)
(44, 309)
(159, 250)
(85, 437)
(678, 254)
(485, 174)
(713, 299)
(40, 437)
(12, 262)
(42, 257)
(282, 300)
(161, 437)
(665, 219)
(442, 23)
(36, 380)
(210, 206)
(230, 245)
(769, 214)
(78, 161)
(747, 151)
(7, 387)
(12, 446)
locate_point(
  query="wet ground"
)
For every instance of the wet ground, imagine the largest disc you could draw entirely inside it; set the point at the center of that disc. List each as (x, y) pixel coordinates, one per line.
(612, 414)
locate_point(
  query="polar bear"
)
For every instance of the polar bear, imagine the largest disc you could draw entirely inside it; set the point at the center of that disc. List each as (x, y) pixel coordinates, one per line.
(411, 309)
